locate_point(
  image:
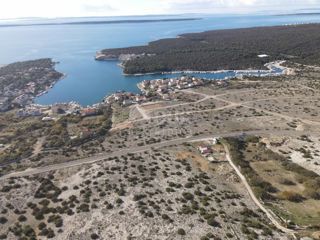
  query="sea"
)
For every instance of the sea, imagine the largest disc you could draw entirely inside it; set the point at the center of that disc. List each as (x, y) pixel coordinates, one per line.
(74, 47)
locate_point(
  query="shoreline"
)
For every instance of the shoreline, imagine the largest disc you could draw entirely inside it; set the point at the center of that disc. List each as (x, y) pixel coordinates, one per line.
(248, 72)
(64, 75)
(270, 66)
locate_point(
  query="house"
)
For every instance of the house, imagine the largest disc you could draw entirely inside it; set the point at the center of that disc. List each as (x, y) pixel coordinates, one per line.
(180, 86)
(204, 150)
(127, 102)
(86, 112)
(263, 55)
(58, 109)
(172, 84)
(145, 84)
(215, 141)
(162, 89)
(47, 119)
(29, 112)
(166, 97)
(4, 104)
(22, 100)
(140, 99)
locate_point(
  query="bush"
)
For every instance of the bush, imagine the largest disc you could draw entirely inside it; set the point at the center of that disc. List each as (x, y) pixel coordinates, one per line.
(42, 225)
(181, 232)
(138, 197)
(291, 196)
(3, 220)
(212, 222)
(312, 193)
(187, 196)
(287, 182)
(84, 208)
(50, 233)
(28, 231)
(94, 236)
(22, 218)
(189, 185)
(165, 217)
(3, 236)
(119, 201)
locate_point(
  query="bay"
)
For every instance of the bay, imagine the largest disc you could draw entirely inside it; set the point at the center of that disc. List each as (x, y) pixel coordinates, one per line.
(74, 46)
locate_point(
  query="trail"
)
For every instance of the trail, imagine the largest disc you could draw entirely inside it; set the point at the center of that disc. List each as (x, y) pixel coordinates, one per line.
(254, 198)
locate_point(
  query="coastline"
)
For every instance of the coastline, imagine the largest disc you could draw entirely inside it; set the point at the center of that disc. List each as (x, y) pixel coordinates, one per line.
(276, 64)
(169, 53)
(64, 75)
(238, 73)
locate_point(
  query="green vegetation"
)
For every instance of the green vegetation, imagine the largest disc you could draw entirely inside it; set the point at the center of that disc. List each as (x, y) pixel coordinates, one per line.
(15, 77)
(15, 74)
(290, 190)
(181, 231)
(207, 51)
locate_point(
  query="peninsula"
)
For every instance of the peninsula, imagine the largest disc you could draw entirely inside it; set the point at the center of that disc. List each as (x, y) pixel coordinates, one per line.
(221, 49)
(21, 82)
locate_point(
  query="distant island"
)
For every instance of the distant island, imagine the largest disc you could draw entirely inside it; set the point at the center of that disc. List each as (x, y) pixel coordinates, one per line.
(102, 22)
(249, 48)
(299, 14)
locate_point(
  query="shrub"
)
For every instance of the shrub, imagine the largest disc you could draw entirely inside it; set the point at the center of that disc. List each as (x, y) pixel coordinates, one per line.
(3, 236)
(189, 185)
(138, 197)
(119, 201)
(287, 182)
(28, 231)
(181, 232)
(187, 196)
(22, 218)
(84, 207)
(291, 196)
(42, 225)
(229, 235)
(212, 222)
(94, 236)
(50, 233)
(165, 217)
(312, 193)
(3, 220)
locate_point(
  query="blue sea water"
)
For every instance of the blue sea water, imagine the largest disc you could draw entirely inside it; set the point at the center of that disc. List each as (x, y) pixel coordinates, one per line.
(74, 47)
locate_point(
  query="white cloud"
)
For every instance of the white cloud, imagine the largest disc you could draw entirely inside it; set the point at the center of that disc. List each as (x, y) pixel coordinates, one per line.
(61, 8)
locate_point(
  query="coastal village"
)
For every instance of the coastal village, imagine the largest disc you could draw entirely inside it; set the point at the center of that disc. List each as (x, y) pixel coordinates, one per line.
(22, 82)
(37, 77)
(150, 90)
(158, 89)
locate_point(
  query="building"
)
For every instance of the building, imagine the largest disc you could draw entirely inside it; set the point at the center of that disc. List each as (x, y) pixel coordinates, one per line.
(4, 104)
(28, 112)
(205, 150)
(47, 119)
(86, 112)
(127, 102)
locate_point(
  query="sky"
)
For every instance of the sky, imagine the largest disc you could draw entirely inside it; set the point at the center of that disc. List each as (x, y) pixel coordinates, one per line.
(77, 8)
